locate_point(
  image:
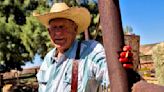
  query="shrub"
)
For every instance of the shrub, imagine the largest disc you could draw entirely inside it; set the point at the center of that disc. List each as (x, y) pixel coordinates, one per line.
(158, 58)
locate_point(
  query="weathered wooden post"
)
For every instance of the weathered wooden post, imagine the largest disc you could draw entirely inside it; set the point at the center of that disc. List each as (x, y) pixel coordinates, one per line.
(113, 39)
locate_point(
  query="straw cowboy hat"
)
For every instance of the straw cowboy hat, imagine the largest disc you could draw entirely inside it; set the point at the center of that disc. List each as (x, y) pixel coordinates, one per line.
(79, 15)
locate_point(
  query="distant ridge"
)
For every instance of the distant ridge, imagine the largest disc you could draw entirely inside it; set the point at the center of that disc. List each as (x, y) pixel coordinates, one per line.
(146, 49)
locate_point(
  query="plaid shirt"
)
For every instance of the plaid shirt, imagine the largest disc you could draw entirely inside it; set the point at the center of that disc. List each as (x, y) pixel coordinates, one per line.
(55, 74)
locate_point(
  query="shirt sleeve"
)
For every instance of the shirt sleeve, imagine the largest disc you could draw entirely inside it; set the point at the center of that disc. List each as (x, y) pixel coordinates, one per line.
(98, 68)
(41, 75)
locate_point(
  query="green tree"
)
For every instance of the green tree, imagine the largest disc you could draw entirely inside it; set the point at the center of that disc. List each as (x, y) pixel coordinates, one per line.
(128, 30)
(158, 58)
(21, 35)
(9, 44)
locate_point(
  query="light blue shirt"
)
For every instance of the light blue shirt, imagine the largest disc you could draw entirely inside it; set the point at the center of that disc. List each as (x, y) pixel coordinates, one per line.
(55, 74)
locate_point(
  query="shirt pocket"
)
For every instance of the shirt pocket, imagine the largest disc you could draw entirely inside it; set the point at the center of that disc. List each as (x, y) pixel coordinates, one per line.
(67, 83)
(68, 78)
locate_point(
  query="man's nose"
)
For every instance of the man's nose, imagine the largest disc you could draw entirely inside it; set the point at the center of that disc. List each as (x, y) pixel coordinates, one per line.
(58, 32)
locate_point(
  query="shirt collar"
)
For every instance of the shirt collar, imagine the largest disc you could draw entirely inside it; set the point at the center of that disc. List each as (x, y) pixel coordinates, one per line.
(70, 53)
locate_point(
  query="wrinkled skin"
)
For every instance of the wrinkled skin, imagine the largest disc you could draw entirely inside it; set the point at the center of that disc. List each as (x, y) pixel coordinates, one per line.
(62, 33)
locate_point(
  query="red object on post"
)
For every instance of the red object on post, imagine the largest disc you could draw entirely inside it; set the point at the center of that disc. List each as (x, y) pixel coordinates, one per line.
(127, 48)
(128, 66)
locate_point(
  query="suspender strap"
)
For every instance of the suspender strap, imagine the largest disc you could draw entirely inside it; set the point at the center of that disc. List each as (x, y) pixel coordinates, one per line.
(78, 50)
(74, 81)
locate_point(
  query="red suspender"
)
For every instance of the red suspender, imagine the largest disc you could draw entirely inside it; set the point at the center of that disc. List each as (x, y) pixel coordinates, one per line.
(74, 83)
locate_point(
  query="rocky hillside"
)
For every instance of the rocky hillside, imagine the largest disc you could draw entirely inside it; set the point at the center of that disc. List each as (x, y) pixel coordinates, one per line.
(146, 49)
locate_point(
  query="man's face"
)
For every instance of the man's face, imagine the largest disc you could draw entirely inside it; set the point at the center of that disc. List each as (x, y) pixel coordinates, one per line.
(62, 33)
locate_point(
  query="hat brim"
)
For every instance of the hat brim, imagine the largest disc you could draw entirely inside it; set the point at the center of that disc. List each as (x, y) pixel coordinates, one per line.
(80, 16)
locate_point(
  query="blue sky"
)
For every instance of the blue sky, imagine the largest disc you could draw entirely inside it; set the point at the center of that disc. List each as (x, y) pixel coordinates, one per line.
(36, 62)
(146, 17)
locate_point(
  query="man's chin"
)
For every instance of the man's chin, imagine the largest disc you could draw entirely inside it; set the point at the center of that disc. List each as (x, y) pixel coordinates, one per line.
(59, 46)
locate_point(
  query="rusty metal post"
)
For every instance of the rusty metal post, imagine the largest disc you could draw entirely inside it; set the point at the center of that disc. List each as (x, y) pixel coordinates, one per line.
(113, 40)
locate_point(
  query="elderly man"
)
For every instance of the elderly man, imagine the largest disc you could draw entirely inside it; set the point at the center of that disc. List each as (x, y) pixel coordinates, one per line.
(55, 74)
(73, 65)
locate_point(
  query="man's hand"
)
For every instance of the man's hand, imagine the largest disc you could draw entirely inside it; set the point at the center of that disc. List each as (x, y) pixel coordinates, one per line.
(143, 86)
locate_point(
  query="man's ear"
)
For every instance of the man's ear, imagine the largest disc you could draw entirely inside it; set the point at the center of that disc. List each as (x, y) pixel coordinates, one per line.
(76, 27)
